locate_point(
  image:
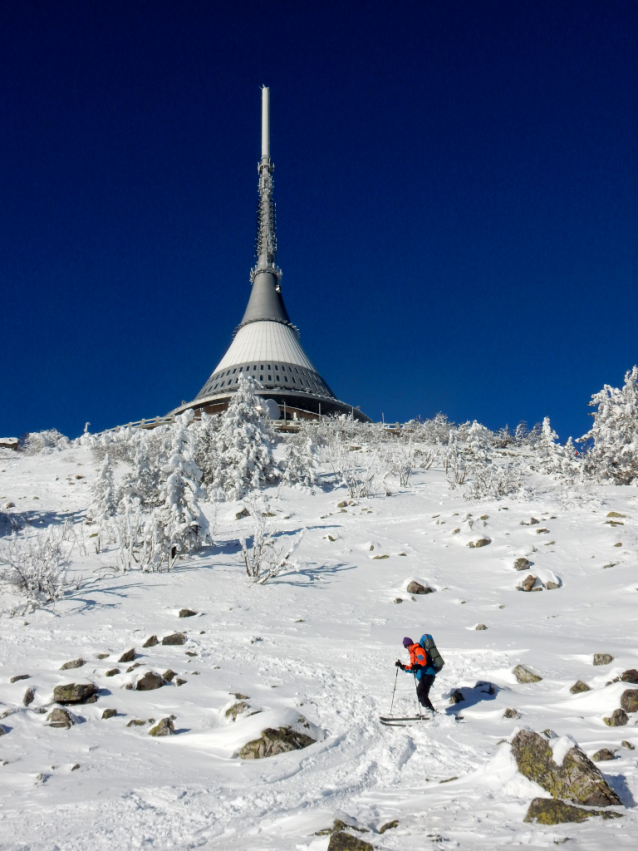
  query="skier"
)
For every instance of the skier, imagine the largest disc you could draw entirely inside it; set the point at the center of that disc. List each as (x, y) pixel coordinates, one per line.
(425, 664)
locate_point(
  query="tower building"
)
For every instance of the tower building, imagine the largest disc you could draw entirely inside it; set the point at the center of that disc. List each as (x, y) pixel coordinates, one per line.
(266, 343)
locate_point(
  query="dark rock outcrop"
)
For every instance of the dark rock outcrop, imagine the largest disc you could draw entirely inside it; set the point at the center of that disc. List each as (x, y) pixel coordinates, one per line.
(149, 681)
(577, 779)
(129, 656)
(112, 672)
(164, 728)
(74, 693)
(343, 841)
(151, 642)
(522, 564)
(415, 587)
(549, 811)
(109, 713)
(275, 741)
(511, 713)
(603, 755)
(29, 697)
(618, 718)
(579, 686)
(60, 718)
(187, 613)
(175, 638)
(524, 675)
(603, 659)
(76, 663)
(19, 677)
(630, 676)
(629, 700)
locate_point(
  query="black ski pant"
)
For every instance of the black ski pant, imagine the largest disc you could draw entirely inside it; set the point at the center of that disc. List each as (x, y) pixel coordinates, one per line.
(423, 690)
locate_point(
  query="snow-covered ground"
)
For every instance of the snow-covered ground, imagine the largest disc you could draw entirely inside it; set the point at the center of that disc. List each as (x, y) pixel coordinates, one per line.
(320, 642)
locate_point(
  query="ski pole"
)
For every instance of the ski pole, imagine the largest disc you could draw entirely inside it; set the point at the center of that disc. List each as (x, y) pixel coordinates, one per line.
(394, 691)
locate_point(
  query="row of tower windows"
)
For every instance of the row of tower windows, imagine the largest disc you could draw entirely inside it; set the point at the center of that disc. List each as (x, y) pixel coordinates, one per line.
(308, 382)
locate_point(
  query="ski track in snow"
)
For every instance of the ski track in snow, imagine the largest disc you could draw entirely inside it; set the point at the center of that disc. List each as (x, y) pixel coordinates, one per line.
(321, 642)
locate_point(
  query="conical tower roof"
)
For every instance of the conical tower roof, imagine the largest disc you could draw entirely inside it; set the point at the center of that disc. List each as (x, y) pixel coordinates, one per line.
(266, 344)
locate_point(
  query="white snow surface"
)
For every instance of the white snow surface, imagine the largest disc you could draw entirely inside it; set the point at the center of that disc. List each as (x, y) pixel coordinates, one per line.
(319, 642)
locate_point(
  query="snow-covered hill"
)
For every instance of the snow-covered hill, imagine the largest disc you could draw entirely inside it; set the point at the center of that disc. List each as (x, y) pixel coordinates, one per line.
(319, 642)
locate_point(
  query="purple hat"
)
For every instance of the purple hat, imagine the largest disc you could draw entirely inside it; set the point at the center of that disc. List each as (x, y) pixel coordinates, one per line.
(407, 642)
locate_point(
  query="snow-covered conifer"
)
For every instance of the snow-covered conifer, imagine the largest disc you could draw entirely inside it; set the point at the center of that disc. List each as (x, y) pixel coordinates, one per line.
(104, 498)
(614, 454)
(205, 434)
(244, 445)
(300, 464)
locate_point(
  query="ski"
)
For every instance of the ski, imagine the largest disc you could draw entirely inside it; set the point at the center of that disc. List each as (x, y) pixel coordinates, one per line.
(388, 721)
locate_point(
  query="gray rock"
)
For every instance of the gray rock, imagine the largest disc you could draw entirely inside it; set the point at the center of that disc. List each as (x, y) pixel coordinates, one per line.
(243, 513)
(164, 728)
(511, 713)
(151, 642)
(551, 586)
(480, 626)
(524, 675)
(175, 638)
(236, 709)
(29, 697)
(112, 672)
(60, 718)
(398, 600)
(109, 713)
(129, 656)
(577, 779)
(136, 722)
(74, 693)
(187, 613)
(528, 583)
(629, 700)
(76, 663)
(618, 718)
(275, 741)
(522, 564)
(630, 676)
(603, 659)
(19, 677)
(415, 587)
(169, 675)
(103, 655)
(548, 811)
(180, 682)
(579, 686)
(628, 745)
(482, 542)
(149, 682)
(3, 732)
(603, 755)
(389, 825)
(342, 841)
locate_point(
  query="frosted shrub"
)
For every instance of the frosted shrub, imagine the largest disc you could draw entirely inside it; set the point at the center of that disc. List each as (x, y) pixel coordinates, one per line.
(46, 442)
(35, 566)
(266, 555)
(453, 462)
(300, 462)
(353, 468)
(490, 481)
(244, 446)
(614, 433)
(401, 459)
(143, 483)
(205, 432)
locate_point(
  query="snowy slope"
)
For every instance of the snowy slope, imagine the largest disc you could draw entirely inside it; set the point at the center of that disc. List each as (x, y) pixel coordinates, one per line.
(320, 642)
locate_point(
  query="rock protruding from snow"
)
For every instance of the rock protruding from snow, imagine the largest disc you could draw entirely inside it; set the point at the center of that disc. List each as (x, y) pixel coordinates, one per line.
(511, 713)
(275, 741)
(164, 728)
(60, 718)
(577, 779)
(74, 693)
(618, 718)
(342, 841)
(524, 675)
(579, 686)
(630, 676)
(415, 587)
(151, 642)
(187, 613)
(603, 659)
(76, 663)
(109, 713)
(149, 681)
(129, 656)
(549, 811)
(481, 542)
(629, 700)
(604, 755)
(29, 697)
(522, 564)
(175, 638)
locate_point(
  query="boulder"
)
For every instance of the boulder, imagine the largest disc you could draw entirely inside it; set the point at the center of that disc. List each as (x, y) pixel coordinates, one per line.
(243, 513)
(628, 745)
(3, 732)
(524, 675)
(342, 841)
(603, 659)
(549, 811)
(482, 542)
(511, 713)
(415, 587)
(103, 655)
(551, 585)
(236, 709)
(169, 675)
(109, 713)
(136, 722)
(74, 693)
(275, 741)
(174, 638)
(389, 825)
(630, 676)
(618, 718)
(151, 642)
(577, 779)
(29, 697)
(19, 677)
(528, 583)
(579, 686)
(164, 728)
(522, 564)
(60, 718)
(76, 663)
(480, 626)
(180, 682)
(603, 755)
(629, 700)
(187, 613)
(112, 672)
(149, 681)
(129, 656)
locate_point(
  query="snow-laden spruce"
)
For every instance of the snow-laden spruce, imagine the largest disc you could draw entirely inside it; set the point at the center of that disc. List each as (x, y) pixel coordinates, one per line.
(614, 454)
(244, 445)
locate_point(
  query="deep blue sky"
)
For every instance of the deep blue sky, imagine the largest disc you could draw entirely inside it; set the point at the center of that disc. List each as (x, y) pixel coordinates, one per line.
(456, 186)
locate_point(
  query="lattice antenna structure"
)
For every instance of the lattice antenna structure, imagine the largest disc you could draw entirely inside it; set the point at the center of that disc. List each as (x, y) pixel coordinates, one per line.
(266, 241)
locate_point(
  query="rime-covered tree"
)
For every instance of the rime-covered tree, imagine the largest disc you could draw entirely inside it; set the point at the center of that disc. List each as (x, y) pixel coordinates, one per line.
(205, 433)
(300, 464)
(244, 446)
(614, 434)
(104, 498)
